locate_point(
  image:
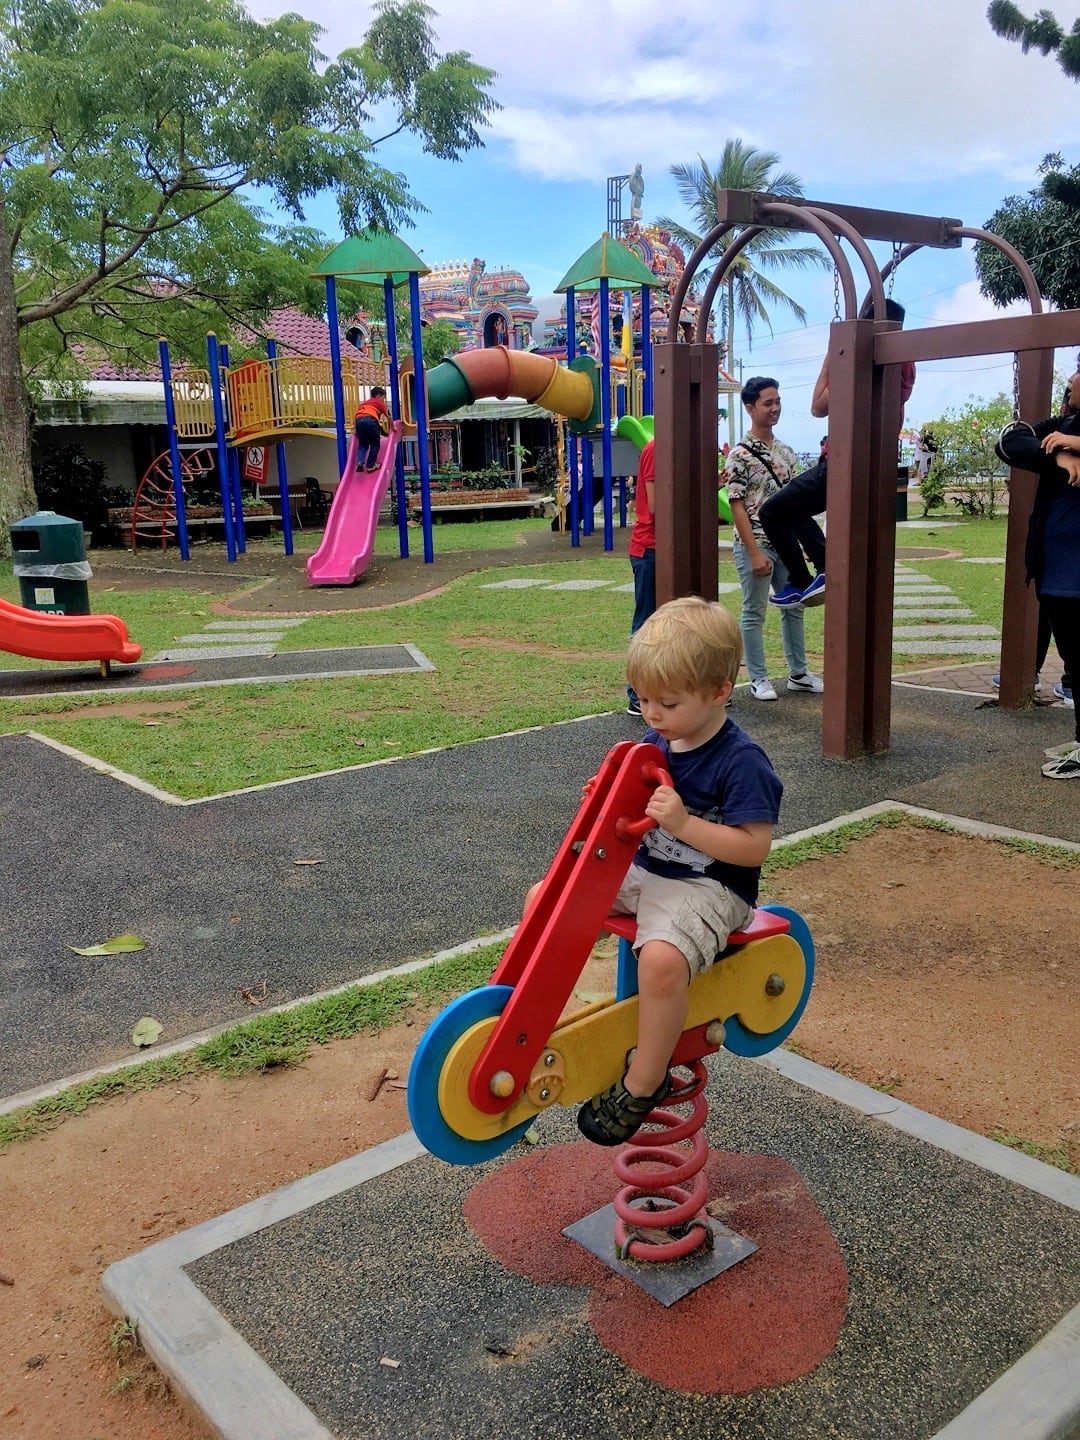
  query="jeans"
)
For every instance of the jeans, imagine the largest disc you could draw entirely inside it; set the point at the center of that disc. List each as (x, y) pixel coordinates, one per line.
(644, 568)
(788, 520)
(1063, 612)
(755, 604)
(369, 435)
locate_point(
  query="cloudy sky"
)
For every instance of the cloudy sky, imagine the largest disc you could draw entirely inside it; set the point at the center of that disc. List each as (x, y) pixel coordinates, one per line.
(912, 106)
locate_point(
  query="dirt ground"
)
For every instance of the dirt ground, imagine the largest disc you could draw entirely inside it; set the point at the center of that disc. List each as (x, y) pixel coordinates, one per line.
(948, 974)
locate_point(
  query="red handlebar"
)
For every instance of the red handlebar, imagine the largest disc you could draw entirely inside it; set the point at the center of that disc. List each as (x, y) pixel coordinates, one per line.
(635, 829)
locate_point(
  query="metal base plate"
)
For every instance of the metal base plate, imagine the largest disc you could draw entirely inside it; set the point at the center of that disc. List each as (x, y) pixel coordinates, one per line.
(670, 1280)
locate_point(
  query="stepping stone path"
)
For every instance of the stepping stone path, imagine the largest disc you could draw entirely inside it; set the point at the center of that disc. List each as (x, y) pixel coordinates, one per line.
(231, 638)
(927, 616)
(936, 612)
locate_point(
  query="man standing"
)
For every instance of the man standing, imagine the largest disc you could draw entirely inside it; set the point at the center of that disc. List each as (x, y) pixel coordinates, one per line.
(758, 467)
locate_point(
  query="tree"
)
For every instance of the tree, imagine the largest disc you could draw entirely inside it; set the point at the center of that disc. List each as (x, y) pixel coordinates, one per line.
(1040, 32)
(135, 142)
(965, 462)
(1045, 227)
(748, 291)
(439, 339)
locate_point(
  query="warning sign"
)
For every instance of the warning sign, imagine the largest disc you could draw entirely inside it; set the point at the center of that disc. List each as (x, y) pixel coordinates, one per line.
(255, 464)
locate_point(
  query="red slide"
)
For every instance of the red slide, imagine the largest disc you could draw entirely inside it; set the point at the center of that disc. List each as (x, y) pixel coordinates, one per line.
(65, 637)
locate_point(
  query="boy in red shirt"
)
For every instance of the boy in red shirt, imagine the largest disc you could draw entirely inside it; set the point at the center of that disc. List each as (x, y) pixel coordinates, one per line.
(642, 551)
(369, 432)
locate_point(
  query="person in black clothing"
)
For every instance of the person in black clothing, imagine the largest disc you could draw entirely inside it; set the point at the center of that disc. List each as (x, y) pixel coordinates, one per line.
(1051, 449)
(785, 515)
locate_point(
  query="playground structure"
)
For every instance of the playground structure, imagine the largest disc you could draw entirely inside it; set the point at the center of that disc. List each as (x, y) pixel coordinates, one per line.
(40, 636)
(865, 354)
(499, 1056)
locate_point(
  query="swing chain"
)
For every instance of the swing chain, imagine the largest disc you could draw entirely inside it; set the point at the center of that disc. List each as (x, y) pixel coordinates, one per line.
(1016, 386)
(893, 266)
(836, 291)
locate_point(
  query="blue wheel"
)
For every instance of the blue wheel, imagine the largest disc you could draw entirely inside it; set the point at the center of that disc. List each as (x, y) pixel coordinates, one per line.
(741, 1041)
(423, 1094)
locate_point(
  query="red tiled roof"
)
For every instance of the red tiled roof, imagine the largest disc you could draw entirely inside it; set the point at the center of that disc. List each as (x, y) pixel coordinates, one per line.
(295, 332)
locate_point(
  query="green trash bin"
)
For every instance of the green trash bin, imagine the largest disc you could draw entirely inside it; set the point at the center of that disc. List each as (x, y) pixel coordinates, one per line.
(49, 561)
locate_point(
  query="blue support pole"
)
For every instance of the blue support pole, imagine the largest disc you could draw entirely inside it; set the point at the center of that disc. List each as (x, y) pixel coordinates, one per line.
(646, 353)
(235, 492)
(573, 448)
(421, 419)
(279, 449)
(395, 410)
(335, 367)
(174, 450)
(605, 409)
(219, 440)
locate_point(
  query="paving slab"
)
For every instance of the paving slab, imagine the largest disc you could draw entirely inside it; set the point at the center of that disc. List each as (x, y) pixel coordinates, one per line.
(961, 1278)
(226, 663)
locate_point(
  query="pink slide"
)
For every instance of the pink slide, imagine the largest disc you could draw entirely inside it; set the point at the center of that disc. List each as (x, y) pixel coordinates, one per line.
(40, 636)
(349, 537)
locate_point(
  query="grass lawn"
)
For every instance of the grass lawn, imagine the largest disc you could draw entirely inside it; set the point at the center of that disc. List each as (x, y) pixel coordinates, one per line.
(505, 660)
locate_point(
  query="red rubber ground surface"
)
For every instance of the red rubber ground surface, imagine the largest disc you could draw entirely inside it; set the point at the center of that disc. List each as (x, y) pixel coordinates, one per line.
(767, 1321)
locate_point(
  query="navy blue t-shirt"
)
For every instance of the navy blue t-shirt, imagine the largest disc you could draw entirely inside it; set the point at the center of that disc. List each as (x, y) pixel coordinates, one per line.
(729, 781)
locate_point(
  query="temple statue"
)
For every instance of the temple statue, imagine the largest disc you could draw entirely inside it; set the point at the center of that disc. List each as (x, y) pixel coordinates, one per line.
(637, 190)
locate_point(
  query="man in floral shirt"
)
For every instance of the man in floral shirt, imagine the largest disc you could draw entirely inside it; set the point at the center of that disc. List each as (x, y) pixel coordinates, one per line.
(757, 467)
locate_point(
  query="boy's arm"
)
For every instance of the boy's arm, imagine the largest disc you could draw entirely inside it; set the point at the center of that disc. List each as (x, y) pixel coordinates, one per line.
(819, 401)
(747, 844)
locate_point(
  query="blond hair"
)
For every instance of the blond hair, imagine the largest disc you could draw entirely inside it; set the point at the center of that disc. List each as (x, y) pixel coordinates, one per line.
(686, 645)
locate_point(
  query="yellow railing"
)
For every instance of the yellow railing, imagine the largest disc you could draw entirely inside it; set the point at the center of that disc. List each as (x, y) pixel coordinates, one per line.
(263, 396)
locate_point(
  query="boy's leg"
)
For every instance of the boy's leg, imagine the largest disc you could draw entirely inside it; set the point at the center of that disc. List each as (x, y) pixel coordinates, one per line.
(664, 990)
(644, 568)
(783, 518)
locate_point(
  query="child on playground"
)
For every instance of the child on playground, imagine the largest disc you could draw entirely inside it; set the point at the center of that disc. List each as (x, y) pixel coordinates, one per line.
(695, 876)
(368, 423)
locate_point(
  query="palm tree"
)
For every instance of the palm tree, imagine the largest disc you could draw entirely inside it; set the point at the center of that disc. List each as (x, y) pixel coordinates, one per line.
(747, 290)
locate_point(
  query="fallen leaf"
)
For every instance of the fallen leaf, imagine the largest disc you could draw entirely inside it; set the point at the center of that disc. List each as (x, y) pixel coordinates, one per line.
(307, 862)
(147, 1031)
(254, 994)
(118, 945)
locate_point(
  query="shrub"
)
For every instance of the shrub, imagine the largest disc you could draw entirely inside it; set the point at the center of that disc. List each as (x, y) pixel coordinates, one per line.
(68, 481)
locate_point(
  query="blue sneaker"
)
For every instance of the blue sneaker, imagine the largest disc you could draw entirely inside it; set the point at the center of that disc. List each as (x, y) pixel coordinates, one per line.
(790, 595)
(814, 594)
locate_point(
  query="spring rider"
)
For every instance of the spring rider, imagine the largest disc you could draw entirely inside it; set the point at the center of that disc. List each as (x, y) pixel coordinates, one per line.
(498, 1057)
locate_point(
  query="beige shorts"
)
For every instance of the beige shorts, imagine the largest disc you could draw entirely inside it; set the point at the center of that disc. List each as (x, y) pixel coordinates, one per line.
(696, 915)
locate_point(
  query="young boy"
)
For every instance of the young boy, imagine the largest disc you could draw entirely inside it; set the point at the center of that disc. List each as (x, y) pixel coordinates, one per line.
(369, 431)
(695, 877)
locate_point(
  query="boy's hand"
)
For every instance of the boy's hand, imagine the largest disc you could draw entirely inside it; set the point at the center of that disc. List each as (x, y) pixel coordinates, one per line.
(667, 809)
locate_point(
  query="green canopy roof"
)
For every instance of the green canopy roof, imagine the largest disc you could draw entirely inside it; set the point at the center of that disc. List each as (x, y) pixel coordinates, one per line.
(606, 260)
(372, 256)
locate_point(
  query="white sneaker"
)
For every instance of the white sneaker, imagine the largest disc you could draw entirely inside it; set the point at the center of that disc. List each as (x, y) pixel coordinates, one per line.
(810, 684)
(1067, 768)
(762, 690)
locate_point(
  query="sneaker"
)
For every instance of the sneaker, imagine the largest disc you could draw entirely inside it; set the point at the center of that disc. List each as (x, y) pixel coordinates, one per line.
(810, 684)
(762, 690)
(814, 594)
(615, 1116)
(1067, 767)
(1064, 693)
(995, 681)
(790, 595)
(633, 705)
